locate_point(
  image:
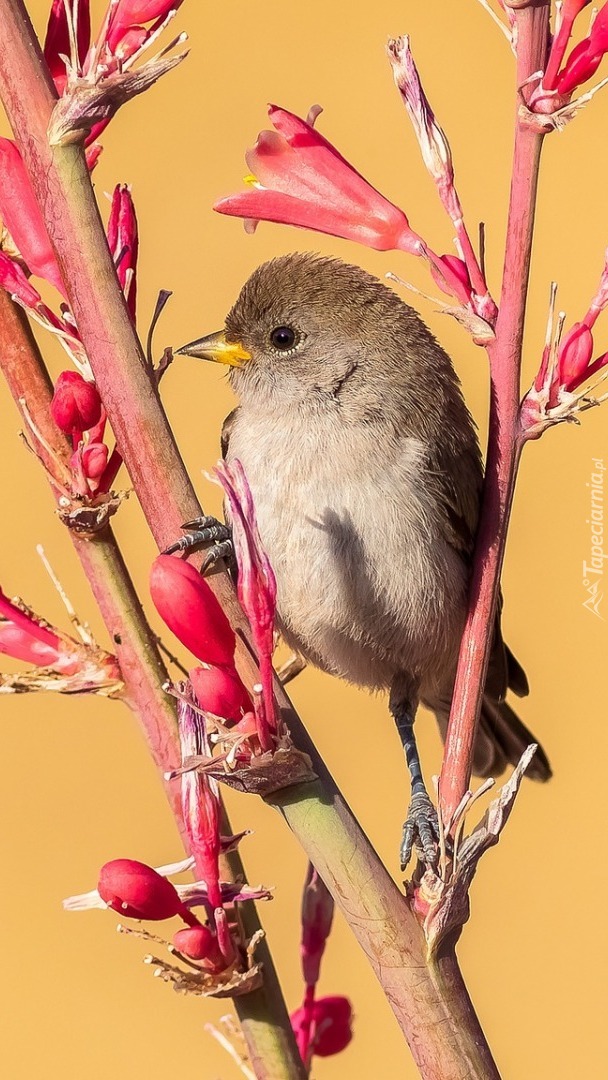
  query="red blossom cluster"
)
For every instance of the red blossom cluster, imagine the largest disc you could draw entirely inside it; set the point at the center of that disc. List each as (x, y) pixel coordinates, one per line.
(563, 383)
(59, 662)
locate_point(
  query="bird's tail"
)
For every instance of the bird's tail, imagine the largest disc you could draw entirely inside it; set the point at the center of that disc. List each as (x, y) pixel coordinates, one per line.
(501, 740)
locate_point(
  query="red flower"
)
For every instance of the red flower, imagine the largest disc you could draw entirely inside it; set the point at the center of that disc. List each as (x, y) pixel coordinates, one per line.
(317, 917)
(76, 405)
(57, 40)
(139, 892)
(574, 356)
(21, 215)
(124, 29)
(198, 943)
(123, 242)
(13, 279)
(220, 691)
(586, 57)
(332, 1018)
(187, 605)
(301, 179)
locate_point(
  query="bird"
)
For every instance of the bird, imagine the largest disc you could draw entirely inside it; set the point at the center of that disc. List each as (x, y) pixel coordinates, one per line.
(366, 474)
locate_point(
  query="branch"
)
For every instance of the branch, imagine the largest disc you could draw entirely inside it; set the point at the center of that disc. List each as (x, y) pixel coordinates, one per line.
(503, 440)
(263, 1013)
(434, 1012)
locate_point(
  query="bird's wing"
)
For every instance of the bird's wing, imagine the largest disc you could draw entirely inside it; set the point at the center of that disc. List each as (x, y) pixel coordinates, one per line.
(227, 427)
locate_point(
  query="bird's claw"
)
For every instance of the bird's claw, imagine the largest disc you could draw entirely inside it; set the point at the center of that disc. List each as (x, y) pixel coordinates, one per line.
(420, 830)
(201, 531)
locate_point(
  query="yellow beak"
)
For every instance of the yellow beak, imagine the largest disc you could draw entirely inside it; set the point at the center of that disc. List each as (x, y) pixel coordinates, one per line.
(215, 347)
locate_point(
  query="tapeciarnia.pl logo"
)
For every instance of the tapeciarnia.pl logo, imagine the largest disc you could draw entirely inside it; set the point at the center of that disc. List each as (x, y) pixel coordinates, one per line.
(593, 568)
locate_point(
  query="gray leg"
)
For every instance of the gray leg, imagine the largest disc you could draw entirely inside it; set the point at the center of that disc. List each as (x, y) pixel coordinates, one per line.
(421, 826)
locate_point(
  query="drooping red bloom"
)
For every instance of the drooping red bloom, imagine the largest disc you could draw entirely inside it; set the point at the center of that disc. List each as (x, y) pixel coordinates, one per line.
(200, 804)
(139, 892)
(317, 918)
(332, 1025)
(22, 217)
(187, 605)
(76, 406)
(586, 57)
(301, 179)
(220, 691)
(123, 242)
(57, 40)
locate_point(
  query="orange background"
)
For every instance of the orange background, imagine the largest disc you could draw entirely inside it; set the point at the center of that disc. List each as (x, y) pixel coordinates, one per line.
(78, 788)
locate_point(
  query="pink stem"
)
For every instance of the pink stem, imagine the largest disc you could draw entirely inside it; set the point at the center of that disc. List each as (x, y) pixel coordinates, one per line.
(503, 441)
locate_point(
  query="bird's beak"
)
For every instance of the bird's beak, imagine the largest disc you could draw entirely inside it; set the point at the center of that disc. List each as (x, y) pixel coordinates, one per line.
(215, 347)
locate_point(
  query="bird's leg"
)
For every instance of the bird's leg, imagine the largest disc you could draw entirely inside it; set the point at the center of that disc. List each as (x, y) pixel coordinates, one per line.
(421, 826)
(206, 530)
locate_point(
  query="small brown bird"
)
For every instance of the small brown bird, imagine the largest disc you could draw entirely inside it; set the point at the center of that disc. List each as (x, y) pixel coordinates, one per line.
(366, 474)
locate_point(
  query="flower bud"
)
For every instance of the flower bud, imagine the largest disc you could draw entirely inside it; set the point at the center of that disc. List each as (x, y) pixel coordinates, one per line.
(575, 354)
(137, 891)
(198, 943)
(76, 404)
(94, 460)
(332, 1018)
(220, 691)
(187, 605)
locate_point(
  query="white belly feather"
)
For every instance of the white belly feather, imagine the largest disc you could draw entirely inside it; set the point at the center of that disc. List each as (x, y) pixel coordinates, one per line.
(364, 589)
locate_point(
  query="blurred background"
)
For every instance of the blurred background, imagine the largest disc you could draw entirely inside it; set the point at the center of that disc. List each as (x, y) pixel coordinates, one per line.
(78, 788)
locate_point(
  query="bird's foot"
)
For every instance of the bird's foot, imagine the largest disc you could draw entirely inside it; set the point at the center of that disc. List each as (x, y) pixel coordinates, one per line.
(420, 830)
(202, 531)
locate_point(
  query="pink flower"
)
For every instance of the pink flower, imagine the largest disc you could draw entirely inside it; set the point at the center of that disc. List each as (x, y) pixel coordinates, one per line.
(187, 605)
(137, 891)
(317, 918)
(301, 179)
(16, 284)
(220, 691)
(21, 215)
(574, 356)
(569, 12)
(123, 242)
(57, 40)
(128, 14)
(76, 406)
(332, 1025)
(256, 587)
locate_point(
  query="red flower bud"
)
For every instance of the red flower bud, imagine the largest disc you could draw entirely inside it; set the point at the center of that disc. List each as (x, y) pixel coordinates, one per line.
(220, 691)
(575, 354)
(94, 460)
(198, 943)
(57, 40)
(76, 404)
(187, 605)
(332, 1018)
(137, 891)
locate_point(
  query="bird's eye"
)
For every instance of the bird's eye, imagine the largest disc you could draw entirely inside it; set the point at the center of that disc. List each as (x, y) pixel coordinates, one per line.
(283, 338)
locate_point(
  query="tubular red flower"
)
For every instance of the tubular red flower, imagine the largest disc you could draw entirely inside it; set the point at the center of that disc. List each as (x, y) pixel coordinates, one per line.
(25, 637)
(220, 691)
(76, 405)
(332, 1018)
(137, 891)
(187, 605)
(21, 215)
(13, 279)
(574, 355)
(123, 242)
(586, 57)
(57, 40)
(317, 918)
(302, 180)
(201, 809)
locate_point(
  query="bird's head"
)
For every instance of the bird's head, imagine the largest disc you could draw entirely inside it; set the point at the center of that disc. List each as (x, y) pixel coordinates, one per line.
(307, 328)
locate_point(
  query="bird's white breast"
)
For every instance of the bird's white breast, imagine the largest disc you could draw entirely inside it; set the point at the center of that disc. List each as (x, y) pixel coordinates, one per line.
(366, 587)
